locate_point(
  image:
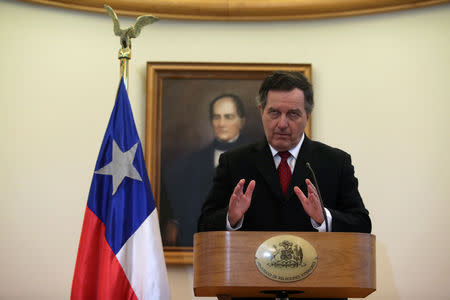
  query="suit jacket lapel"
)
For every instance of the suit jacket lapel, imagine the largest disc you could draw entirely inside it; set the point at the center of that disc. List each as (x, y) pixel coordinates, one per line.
(263, 160)
(300, 171)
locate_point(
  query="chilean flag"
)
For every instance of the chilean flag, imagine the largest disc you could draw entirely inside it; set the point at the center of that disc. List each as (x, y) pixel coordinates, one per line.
(120, 253)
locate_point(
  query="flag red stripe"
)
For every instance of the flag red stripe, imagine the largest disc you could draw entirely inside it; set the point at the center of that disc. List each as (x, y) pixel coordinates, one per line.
(98, 273)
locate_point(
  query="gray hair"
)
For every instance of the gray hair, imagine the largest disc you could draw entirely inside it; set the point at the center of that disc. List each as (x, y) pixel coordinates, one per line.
(286, 81)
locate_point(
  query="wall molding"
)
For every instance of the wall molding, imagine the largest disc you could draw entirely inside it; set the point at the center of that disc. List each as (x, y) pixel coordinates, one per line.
(242, 10)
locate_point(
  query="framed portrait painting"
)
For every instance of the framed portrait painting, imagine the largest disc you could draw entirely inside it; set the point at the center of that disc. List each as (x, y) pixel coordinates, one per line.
(195, 112)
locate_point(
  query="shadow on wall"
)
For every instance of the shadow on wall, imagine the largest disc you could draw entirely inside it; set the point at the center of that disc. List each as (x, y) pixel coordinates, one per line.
(181, 282)
(386, 287)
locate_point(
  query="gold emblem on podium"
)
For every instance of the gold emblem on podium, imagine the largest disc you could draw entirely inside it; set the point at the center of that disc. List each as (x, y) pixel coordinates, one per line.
(286, 258)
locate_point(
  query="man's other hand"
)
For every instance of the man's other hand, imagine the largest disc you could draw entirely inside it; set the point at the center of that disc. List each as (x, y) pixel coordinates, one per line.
(240, 201)
(311, 204)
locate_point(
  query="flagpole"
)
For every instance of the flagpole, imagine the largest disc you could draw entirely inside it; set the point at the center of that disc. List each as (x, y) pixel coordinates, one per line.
(125, 40)
(124, 57)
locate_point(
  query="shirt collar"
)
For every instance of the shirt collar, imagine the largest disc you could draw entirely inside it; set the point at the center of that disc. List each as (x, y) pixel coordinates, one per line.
(294, 151)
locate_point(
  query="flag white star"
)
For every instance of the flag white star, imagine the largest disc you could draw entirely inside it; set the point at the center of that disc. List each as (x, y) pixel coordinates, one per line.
(121, 166)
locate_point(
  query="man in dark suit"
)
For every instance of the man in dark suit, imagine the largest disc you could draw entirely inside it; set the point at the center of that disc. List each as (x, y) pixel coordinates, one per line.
(247, 193)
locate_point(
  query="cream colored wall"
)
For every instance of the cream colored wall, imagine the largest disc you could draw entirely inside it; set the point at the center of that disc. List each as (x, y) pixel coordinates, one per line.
(382, 91)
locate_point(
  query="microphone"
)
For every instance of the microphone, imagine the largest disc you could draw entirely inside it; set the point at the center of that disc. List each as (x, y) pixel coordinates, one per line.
(316, 184)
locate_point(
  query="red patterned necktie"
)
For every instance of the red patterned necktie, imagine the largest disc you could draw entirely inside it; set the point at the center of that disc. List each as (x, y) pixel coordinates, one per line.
(284, 171)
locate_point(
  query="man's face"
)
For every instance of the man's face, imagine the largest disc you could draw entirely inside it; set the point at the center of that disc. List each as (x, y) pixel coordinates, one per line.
(284, 118)
(225, 121)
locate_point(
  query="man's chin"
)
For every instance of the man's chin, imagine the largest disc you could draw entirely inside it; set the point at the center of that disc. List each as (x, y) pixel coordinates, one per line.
(281, 145)
(224, 139)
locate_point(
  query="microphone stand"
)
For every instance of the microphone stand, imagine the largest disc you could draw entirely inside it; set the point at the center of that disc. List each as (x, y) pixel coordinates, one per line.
(316, 184)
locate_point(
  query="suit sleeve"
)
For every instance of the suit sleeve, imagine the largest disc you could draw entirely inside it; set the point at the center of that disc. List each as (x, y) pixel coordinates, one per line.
(350, 215)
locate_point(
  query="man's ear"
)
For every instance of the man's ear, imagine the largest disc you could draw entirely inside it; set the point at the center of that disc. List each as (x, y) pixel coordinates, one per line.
(261, 110)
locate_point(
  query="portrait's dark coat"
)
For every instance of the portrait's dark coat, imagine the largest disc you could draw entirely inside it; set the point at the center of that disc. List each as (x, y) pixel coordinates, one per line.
(187, 185)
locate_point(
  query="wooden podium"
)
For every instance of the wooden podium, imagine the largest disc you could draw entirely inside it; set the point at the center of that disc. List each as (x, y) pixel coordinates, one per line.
(224, 265)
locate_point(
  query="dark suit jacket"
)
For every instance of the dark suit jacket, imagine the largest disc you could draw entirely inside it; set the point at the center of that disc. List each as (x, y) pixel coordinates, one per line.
(270, 210)
(189, 182)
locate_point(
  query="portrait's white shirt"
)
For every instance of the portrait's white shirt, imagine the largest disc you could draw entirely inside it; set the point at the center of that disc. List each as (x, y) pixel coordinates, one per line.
(291, 162)
(218, 153)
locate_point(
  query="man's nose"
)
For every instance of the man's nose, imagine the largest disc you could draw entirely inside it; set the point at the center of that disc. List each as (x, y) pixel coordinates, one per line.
(221, 121)
(282, 123)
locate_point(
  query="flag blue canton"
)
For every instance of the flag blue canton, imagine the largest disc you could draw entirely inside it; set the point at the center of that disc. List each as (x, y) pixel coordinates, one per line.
(123, 211)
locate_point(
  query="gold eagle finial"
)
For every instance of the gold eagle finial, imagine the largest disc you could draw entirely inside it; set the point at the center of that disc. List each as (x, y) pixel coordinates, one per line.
(131, 32)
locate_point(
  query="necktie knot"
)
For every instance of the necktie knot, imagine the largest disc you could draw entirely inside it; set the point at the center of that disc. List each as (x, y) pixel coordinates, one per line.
(284, 155)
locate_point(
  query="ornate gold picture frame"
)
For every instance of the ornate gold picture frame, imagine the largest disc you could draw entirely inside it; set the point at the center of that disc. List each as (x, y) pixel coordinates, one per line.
(238, 10)
(178, 127)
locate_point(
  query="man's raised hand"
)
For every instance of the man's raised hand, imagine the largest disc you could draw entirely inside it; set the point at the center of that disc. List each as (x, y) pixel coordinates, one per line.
(240, 201)
(311, 204)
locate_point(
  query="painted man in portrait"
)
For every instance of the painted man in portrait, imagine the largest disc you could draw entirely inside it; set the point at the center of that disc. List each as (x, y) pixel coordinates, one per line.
(189, 181)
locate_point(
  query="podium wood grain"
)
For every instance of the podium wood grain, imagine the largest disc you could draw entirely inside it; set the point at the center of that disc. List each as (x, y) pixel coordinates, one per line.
(224, 264)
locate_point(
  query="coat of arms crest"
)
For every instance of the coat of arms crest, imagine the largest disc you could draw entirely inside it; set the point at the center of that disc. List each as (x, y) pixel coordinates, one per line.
(287, 255)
